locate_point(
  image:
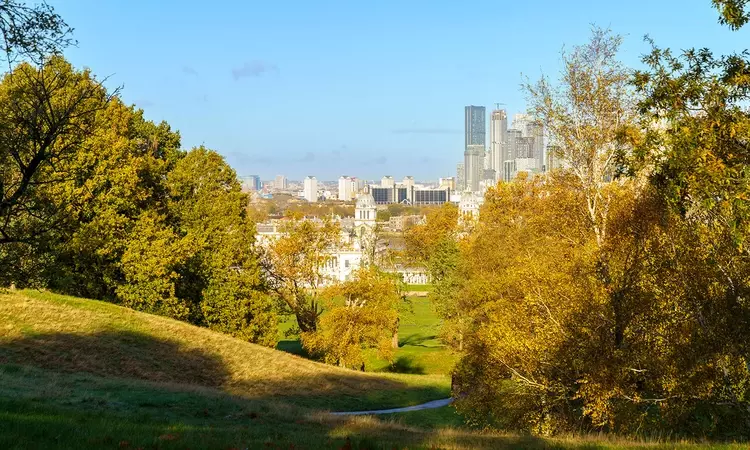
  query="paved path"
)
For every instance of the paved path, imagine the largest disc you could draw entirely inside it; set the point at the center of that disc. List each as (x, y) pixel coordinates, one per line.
(429, 405)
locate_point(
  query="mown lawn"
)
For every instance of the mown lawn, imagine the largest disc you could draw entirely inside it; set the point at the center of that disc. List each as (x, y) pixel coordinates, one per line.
(419, 352)
(83, 374)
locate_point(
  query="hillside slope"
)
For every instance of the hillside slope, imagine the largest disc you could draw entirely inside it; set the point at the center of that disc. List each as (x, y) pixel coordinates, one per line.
(69, 334)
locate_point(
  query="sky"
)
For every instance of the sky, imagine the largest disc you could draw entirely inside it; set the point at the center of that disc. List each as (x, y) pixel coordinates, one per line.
(347, 87)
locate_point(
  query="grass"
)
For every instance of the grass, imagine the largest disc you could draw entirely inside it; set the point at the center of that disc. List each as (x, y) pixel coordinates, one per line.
(83, 374)
(419, 352)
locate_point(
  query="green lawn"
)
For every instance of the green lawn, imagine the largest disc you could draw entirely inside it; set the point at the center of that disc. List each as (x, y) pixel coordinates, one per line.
(419, 352)
(83, 374)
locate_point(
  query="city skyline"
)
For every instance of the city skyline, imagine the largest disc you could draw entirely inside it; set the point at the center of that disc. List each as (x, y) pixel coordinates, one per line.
(319, 88)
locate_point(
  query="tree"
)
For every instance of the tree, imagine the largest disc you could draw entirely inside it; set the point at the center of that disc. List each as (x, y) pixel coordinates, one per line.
(295, 263)
(733, 13)
(584, 115)
(222, 280)
(47, 114)
(368, 318)
(33, 32)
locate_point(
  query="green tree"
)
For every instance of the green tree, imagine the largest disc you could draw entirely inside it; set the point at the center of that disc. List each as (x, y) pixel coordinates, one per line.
(367, 319)
(295, 266)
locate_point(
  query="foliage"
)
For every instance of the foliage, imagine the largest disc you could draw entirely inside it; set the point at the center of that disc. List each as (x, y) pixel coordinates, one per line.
(295, 262)
(733, 13)
(31, 31)
(97, 201)
(596, 302)
(368, 318)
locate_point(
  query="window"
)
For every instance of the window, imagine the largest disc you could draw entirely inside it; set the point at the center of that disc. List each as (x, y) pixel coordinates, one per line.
(346, 263)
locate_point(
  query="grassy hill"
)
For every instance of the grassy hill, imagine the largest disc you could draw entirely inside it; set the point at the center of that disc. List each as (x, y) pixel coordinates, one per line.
(78, 373)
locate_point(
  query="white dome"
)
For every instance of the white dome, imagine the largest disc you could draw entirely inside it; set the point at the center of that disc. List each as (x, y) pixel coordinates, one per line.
(365, 200)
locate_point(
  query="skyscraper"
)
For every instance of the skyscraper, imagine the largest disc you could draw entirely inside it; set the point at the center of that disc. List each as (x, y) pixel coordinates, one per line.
(474, 150)
(474, 125)
(473, 167)
(347, 188)
(498, 136)
(280, 183)
(310, 191)
(460, 182)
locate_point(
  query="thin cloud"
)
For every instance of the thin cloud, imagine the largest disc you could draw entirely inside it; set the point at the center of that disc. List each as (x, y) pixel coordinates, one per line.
(309, 157)
(187, 70)
(144, 103)
(253, 69)
(380, 160)
(426, 131)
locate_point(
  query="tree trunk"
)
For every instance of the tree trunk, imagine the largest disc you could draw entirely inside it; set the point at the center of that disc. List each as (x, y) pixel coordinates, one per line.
(394, 339)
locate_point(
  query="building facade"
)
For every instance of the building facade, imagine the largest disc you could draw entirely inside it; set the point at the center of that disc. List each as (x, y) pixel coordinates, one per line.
(474, 146)
(310, 189)
(498, 135)
(281, 183)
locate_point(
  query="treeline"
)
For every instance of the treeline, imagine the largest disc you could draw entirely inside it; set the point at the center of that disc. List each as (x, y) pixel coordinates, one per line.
(612, 294)
(98, 202)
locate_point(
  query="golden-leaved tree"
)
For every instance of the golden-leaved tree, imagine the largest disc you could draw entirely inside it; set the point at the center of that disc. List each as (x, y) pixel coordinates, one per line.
(363, 314)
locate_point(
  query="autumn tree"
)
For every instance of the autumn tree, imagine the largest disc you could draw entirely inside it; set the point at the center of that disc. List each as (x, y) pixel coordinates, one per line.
(295, 265)
(584, 113)
(363, 314)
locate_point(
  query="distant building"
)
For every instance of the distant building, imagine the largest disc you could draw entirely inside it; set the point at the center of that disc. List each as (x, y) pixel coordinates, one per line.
(498, 136)
(449, 182)
(408, 182)
(251, 183)
(387, 182)
(281, 182)
(473, 167)
(460, 182)
(410, 195)
(310, 189)
(474, 146)
(347, 188)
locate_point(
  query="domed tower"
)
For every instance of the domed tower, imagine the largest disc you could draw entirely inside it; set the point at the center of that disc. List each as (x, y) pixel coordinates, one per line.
(365, 214)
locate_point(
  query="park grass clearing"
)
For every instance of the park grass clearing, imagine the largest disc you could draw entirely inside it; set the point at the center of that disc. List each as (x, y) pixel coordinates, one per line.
(84, 374)
(420, 351)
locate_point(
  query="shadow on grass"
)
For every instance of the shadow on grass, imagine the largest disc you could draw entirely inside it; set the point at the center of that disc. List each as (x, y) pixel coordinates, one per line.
(405, 364)
(122, 354)
(417, 341)
(293, 346)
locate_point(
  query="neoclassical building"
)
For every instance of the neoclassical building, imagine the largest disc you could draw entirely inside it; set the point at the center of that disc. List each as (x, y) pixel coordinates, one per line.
(357, 242)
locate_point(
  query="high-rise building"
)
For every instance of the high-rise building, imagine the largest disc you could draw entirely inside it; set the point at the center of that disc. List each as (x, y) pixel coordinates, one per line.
(473, 167)
(460, 184)
(387, 182)
(251, 183)
(498, 136)
(408, 182)
(474, 150)
(347, 188)
(449, 182)
(474, 125)
(280, 182)
(310, 190)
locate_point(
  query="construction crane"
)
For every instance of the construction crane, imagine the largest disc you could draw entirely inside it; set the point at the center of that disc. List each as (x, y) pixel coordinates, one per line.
(497, 105)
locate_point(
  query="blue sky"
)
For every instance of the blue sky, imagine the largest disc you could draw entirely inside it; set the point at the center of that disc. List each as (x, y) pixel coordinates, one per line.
(327, 88)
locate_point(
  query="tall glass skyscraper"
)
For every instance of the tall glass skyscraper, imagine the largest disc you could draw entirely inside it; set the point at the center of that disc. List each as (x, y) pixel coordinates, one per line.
(474, 150)
(474, 125)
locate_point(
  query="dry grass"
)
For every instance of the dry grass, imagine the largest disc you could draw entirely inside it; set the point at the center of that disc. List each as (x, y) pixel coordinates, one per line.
(76, 335)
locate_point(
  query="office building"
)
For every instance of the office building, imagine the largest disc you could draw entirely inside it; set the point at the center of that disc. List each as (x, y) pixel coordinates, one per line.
(498, 136)
(408, 182)
(460, 186)
(387, 182)
(251, 183)
(473, 167)
(347, 188)
(281, 183)
(474, 133)
(449, 182)
(474, 148)
(410, 195)
(310, 189)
